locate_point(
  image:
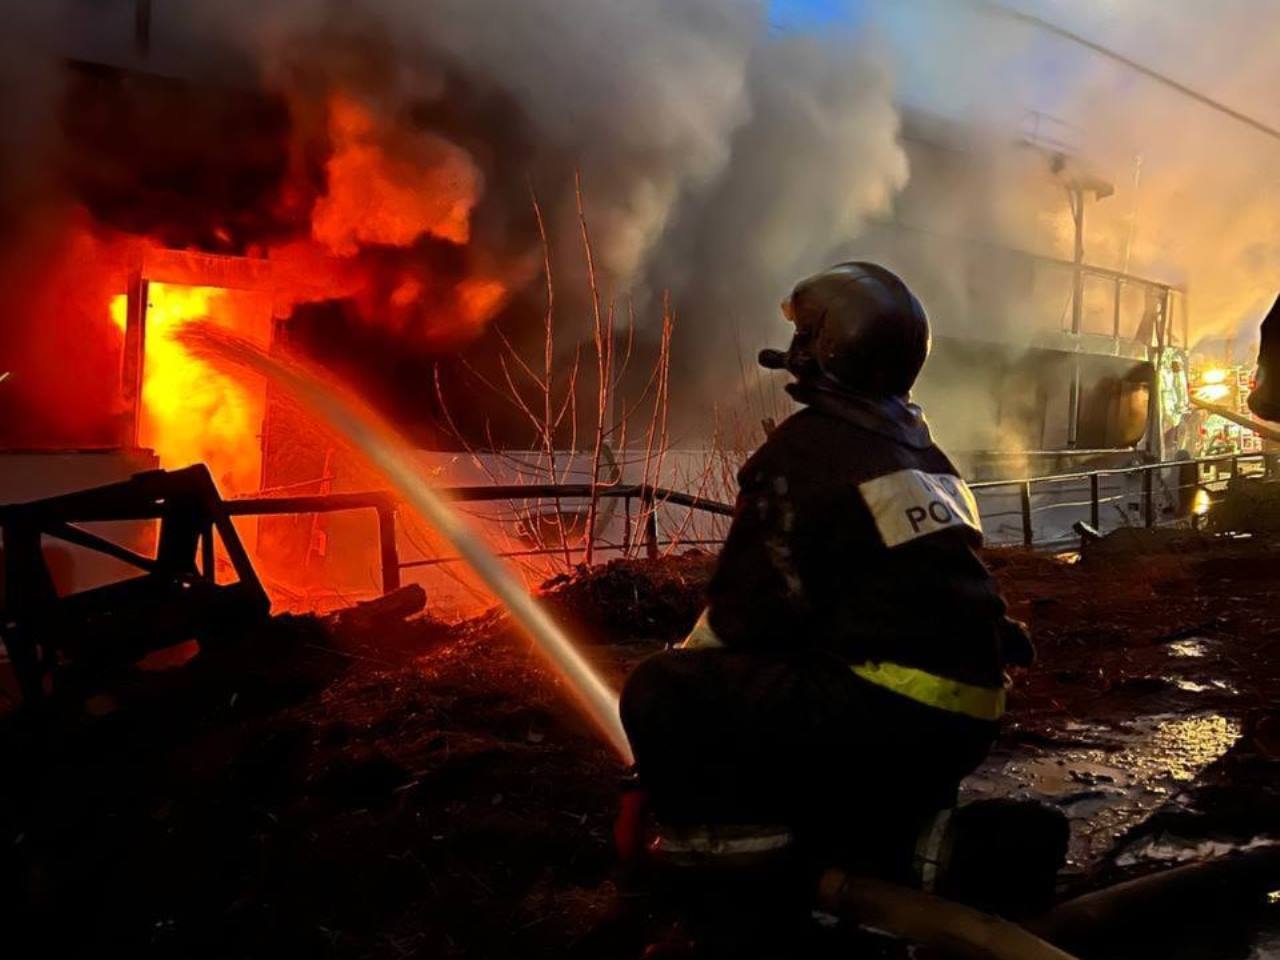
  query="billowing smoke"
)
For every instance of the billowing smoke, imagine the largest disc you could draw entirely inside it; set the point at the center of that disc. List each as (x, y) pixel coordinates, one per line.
(717, 160)
(1000, 115)
(720, 160)
(641, 97)
(817, 156)
(1196, 201)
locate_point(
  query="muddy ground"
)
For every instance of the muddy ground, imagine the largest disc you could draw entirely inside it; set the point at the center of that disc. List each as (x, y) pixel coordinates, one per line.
(420, 789)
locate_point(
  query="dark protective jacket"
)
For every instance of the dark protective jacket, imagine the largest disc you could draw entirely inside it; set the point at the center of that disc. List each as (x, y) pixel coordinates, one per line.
(854, 533)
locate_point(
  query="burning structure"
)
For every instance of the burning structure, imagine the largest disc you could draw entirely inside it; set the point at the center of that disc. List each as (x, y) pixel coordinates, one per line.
(379, 223)
(1060, 364)
(481, 256)
(317, 208)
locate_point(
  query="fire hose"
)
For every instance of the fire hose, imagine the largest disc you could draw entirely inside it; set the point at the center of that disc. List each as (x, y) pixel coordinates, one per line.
(930, 921)
(1142, 903)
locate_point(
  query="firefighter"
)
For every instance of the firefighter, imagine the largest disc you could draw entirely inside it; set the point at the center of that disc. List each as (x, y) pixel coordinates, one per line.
(1264, 398)
(849, 667)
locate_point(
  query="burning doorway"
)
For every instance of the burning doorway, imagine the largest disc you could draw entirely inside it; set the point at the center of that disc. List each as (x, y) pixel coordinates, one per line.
(188, 411)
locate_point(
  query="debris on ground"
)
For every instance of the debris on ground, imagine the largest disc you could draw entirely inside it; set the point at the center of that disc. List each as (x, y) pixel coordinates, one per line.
(381, 612)
(628, 600)
(1247, 507)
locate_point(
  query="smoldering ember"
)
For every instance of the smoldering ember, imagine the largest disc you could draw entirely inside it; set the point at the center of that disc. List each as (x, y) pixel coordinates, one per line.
(639, 478)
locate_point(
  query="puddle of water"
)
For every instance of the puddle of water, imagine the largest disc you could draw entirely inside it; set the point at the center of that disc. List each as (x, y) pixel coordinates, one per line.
(1106, 790)
(1076, 726)
(1195, 686)
(1170, 849)
(1190, 647)
(1189, 744)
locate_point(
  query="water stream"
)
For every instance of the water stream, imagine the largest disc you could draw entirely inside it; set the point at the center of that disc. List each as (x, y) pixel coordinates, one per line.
(392, 456)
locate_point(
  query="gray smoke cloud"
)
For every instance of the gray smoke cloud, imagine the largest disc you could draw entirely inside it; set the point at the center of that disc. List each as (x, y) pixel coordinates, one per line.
(1196, 201)
(687, 114)
(987, 100)
(1198, 197)
(720, 162)
(641, 95)
(712, 150)
(819, 154)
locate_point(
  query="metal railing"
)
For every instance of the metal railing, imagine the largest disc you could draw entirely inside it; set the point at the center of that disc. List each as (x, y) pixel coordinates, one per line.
(1146, 473)
(385, 504)
(382, 502)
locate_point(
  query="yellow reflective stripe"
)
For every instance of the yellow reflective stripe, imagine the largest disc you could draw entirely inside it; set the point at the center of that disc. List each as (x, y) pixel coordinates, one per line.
(984, 703)
(701, 637)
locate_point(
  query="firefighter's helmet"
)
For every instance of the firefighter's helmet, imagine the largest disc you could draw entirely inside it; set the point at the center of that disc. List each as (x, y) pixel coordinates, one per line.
(856, 324)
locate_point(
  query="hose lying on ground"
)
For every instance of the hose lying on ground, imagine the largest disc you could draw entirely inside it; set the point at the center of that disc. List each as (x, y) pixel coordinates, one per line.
(930, 921)
(1225, 881)
(965, 932)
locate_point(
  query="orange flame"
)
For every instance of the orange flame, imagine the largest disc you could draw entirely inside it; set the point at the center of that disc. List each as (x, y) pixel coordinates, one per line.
(378, 236)
(373, 197)
(480, 299)
(190, 411)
